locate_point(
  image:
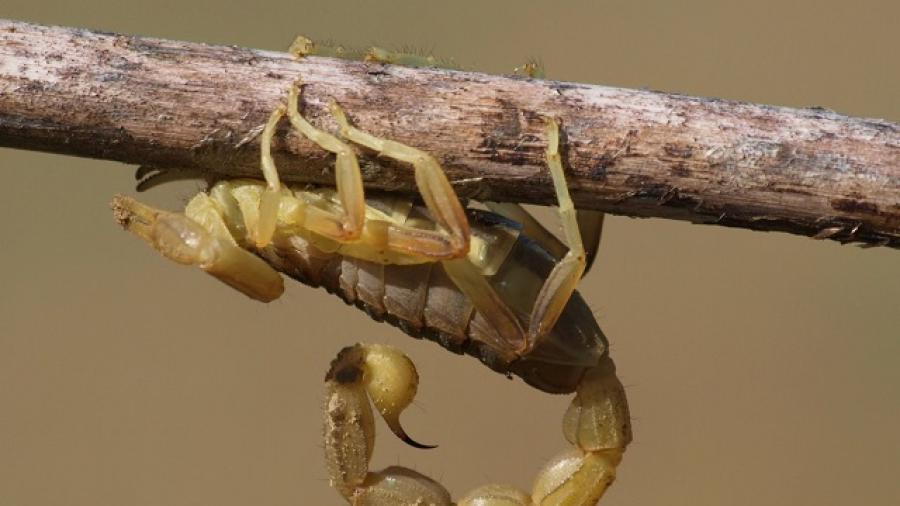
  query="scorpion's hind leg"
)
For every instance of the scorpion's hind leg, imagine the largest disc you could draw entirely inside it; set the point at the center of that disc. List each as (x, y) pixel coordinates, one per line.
(564, 277)
(203, 241)
(387, 377)
(451, 240)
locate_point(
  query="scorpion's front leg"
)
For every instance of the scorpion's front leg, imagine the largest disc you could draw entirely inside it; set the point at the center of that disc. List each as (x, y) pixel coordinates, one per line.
(451, 240)
(345, 226)
(596, 424)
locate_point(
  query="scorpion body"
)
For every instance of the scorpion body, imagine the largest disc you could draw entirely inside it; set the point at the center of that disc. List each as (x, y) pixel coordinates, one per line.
(425, 303)
(474, 281)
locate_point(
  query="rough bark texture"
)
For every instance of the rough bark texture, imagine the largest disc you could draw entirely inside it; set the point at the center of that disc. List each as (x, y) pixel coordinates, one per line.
(170, 104)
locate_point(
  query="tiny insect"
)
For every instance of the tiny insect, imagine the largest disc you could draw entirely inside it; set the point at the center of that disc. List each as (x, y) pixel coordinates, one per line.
(492, 284)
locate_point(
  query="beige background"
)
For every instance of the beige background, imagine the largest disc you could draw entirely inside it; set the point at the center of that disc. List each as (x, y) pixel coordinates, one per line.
(761, 368)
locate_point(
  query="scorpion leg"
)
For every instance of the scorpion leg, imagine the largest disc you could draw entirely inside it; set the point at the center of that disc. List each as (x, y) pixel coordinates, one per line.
(451, 240)
(596, 423)
(342, 227)
(264, 227)
(563, 279)
(347, 226)
(561, 282)
(201, 238)
(508, 337)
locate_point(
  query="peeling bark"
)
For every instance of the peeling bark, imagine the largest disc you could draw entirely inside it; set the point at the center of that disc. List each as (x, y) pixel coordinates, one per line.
(198, 108)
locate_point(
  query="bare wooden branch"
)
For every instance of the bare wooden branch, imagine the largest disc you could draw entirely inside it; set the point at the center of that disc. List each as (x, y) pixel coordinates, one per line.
(170, 104)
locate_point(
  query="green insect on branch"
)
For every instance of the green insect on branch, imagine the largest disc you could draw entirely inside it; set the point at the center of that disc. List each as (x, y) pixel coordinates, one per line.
(189, 109)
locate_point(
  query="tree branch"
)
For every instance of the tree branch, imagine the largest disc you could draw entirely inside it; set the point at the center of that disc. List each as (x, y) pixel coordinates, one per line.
(170, 104)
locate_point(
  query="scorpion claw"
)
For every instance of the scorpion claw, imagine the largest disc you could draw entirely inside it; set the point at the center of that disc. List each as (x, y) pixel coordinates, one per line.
(187, 242)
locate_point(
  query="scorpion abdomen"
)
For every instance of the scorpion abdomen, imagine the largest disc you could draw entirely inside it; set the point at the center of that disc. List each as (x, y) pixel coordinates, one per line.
(423, 302)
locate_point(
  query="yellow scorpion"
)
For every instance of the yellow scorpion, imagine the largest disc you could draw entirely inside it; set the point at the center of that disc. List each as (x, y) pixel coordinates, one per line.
(495, 285)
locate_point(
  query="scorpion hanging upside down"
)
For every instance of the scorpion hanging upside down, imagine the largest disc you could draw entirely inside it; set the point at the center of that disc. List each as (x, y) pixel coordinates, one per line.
(495, 285)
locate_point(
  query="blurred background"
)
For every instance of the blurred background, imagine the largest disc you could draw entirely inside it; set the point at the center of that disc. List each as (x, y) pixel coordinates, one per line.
(761, 368)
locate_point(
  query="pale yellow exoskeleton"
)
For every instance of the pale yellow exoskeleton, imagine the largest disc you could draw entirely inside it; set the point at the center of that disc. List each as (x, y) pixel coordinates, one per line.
(495, 285)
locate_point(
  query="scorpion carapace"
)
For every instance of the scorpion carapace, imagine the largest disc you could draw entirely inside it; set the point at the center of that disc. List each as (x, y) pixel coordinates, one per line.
(477, 282)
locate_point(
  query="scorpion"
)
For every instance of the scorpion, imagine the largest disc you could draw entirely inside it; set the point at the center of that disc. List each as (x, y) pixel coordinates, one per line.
(494, 284)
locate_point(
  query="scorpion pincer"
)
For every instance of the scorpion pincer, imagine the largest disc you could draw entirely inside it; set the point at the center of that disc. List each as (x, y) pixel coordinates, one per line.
(495, 285)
